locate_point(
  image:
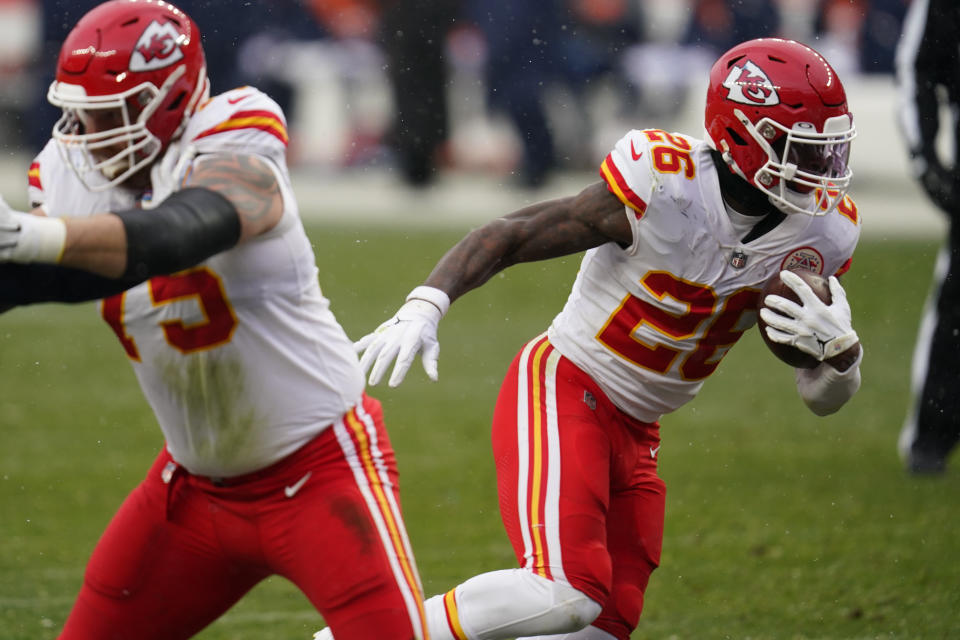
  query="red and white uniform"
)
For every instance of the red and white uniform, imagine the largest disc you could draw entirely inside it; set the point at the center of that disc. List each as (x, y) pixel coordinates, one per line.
(240, 358)
(651, 322)
(575, 429)
(259, 395)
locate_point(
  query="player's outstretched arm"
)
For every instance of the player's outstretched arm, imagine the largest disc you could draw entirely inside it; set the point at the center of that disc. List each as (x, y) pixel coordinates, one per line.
(188, 227)
(53, 260)
(228, 198)
(541, 231)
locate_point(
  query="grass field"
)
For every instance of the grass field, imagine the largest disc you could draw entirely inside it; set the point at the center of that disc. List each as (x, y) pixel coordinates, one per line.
(779, 524)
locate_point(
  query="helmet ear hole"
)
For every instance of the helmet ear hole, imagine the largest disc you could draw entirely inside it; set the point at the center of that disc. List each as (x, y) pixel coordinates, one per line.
(736, 137)
(175, 104)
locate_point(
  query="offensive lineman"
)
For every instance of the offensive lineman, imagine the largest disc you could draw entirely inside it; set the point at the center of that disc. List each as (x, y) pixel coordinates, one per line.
(681, 235)
(276, 462)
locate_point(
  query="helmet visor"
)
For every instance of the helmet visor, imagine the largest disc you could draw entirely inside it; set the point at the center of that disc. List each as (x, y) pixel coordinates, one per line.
(807, 163)
(827, 159)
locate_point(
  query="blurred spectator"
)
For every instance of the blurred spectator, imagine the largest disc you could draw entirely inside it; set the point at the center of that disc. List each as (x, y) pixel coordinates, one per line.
(859, 35)
(681, 40)
(345, 19)
(838, 27)
(720, 24)
(533, 44)
(19, 45)
(413, 34)
(57, 19)
(523, 48)
(881, 31)
(228, 26)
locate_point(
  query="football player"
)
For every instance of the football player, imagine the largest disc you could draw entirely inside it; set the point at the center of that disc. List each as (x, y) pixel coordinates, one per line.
(179, 208)
(680, 236)
(927, 61)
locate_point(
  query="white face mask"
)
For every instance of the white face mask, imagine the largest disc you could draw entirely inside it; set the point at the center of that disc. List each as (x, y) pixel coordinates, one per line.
(102, 135)
(808, 171)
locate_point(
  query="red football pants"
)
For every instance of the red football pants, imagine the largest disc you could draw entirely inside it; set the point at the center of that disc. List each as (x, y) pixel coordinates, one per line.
(182, 548)
(579, 493)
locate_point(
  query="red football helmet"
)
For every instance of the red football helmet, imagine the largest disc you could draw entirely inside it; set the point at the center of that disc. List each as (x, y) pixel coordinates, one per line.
(129, 75)
(777, 112)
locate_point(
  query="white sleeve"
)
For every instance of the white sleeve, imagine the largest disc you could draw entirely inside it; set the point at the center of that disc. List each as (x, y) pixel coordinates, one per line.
(824, 389)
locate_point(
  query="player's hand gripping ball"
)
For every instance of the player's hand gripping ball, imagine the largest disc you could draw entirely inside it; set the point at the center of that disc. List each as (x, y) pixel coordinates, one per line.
(787, 353)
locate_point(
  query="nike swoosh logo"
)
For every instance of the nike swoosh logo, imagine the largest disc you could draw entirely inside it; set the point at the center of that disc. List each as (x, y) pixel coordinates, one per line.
(239, 98)
(653, 452)
(633, 152)
(292, 489)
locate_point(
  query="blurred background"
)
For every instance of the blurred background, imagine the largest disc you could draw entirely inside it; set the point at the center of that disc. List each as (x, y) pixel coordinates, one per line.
(424, 112)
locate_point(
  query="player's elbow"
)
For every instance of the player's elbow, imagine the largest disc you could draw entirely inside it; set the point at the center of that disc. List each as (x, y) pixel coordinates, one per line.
(823, 407)
(825, 390)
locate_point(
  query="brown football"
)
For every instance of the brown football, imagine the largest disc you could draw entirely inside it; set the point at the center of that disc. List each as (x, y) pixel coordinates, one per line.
(791, 355)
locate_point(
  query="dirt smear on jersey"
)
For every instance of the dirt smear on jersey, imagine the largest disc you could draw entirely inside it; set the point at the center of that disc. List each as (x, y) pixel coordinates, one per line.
(217, 417)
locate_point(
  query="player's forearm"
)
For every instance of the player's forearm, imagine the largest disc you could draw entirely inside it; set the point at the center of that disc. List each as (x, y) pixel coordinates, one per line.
(825, 389)
(184, 230)
(97, 244)
(538, 232)
(472, 261)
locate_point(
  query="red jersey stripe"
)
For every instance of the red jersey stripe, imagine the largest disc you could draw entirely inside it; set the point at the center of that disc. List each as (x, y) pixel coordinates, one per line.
(33, 176)
(262, 120)
(844, 267)
(618, 186)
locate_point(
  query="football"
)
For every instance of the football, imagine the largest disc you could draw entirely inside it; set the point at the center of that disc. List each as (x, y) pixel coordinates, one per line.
(791, 355)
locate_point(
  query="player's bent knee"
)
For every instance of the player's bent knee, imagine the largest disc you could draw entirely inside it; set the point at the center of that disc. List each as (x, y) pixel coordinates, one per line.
(515, 603)
(580, 609)
(566, 609)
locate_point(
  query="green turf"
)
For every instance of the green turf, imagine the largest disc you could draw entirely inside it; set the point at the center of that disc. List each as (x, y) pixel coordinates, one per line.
(779, 524)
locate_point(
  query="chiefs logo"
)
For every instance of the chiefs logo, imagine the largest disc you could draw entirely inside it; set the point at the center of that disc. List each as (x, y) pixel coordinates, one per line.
(748, 84)
(804, 258)
(158, 47)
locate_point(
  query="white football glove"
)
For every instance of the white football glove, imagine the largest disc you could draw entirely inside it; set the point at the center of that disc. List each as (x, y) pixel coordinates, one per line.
(28, 238)
(412, 329)
(821, 330)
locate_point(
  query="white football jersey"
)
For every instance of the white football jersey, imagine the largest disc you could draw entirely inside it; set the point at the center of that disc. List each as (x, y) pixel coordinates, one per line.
(240, 358)
(650, 322)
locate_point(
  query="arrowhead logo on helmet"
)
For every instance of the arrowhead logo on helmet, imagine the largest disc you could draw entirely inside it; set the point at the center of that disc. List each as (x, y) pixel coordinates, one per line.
(158, 47)
(748, 84)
